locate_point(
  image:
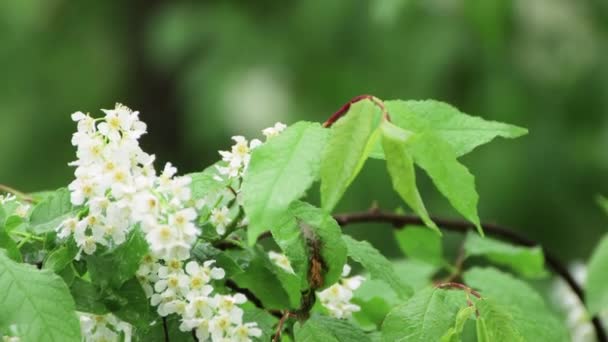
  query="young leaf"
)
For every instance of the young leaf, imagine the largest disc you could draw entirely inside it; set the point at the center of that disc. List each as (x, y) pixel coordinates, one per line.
(205, 182)
(453, 334)
(451, 178)
(115, 267)
(463, 132)
(37, 302)
(527, 261)
(596, 289)
(420, 243)
(48, 214)
(280, 171)
(376, 264)
(323, 328)
(400, 166)
(495, 323)
(427, 316)
(351, 140)
(329, 235)
(531, 317)
(288, 235)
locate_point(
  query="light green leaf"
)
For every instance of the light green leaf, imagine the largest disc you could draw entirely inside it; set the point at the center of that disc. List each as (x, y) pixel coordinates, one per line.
(288, 235)
(531, 317)
(596, 288)
(324, 328)
(495, 323)
(420, 243)
(454, 333)
(463, 132)
(280, 171)
(376, 264)
(451, 178)
(603, 203)
(114, 267)
(59, 258)
(400, 166)
(205, 182)
(427, 316)
(37, 302)
(327, 231)
(351, 140)
(527, 261)
(54, 209)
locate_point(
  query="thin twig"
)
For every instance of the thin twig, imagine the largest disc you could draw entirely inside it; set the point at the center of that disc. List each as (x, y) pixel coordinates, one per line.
(344, 109)
(284, 318)
(399, 221)
(19, 194)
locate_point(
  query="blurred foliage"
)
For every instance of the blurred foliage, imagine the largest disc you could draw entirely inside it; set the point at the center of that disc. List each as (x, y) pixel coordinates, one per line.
(201, 71)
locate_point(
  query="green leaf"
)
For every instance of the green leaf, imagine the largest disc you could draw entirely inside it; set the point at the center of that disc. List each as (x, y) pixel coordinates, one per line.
(324, 328)
(351, 140)
(37, 302)
(265, 321)
(531, 317)
(54, 209)
(260, 278)
(451, 178)
(603, 203)
(61, 257)
(327, 231)
(495, 323)
(114, 267)
(87, 297)
(427, 316)
(400, 166)
(204, 251)
(289, 236)
(454, 333)
(9, 245)
(527, 261)
(376, 264)
(463, 132)
(205, 182)
(280, 171)
(596, 288)
(134, 306)
(420, 243)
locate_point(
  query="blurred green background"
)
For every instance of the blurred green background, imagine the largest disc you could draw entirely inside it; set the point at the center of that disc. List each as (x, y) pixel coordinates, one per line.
(202, 71)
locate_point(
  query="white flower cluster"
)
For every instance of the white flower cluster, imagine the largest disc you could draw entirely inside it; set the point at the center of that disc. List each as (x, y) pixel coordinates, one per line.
(238, 157)
(337, 298)
(104, 328)
(187, 292)
(117, 182)
(577, 317)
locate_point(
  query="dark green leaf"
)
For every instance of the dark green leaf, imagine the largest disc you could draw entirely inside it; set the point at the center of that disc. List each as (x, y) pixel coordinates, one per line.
(323, 328)
(114, 267)
(88, 298)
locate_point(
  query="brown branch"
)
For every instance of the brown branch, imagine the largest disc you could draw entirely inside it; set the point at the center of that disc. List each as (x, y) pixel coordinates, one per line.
(454, 285)
(398, 221)
(284, 318)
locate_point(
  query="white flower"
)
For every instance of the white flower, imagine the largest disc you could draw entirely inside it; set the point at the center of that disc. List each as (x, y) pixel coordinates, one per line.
(220, 219)
(103, 328)
(281, 260)
(274, 130)
(244, 332)
(7, 198)
(336, 298)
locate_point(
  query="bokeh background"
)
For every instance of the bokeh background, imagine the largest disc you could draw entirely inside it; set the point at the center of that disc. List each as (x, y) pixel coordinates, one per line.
(202, 71)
